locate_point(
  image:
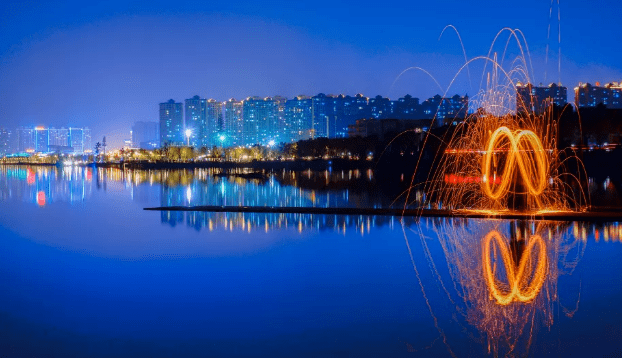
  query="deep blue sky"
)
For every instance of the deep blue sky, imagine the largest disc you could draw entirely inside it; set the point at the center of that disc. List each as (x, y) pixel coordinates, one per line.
(109, 64)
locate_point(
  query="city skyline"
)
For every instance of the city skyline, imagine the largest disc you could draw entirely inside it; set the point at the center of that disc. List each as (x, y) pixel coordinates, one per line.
(205, 123)
(105, 66)
(276, 119)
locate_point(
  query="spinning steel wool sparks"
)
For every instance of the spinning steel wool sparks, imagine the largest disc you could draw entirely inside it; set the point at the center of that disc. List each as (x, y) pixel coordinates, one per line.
(502, 159)
(525, 154)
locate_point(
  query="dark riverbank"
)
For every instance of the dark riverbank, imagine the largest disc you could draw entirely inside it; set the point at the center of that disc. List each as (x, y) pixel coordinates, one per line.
(293, 165)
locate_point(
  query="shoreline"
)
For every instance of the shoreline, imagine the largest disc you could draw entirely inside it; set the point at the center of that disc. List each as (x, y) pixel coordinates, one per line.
(293, 165)
(591, 215)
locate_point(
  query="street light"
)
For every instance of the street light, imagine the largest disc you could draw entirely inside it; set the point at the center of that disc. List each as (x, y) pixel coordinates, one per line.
(188, 134)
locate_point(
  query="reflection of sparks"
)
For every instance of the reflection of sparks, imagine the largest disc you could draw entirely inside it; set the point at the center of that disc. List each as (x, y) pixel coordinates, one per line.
(520, 289)
(526, 153)
(505, 302)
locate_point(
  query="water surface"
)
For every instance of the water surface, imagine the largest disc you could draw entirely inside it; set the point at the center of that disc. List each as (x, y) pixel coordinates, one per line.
(87, 272)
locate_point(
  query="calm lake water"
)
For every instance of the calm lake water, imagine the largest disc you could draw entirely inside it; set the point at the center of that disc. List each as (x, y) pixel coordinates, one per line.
(87, 272)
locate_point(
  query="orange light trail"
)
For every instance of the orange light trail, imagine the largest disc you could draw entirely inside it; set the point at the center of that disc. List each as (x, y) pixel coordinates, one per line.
(519, 287)
(533, 169)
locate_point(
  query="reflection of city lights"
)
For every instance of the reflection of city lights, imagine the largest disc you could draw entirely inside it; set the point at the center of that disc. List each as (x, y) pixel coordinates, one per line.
(520, 287)
(41, 198)
(30, 176)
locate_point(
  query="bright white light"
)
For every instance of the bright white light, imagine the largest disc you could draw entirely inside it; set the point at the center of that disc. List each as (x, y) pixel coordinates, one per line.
(222, 137)
(188, 132)
(271, 143)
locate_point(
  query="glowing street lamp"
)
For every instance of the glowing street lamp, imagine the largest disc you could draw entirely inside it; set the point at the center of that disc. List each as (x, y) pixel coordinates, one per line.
(188, 134)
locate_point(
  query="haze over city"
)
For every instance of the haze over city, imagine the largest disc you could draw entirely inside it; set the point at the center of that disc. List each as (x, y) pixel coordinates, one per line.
(106, 67)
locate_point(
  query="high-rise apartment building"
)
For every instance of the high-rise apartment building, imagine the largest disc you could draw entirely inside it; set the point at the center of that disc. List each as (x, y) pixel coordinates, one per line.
(59, 139)
(80, 140)
(7, 141)
(354, 108)
(42, 138)
(259, 121)
(609, 95)
(406, 107)
(380, 107)
(171, 123)
(195, 129)
(233, 123)
(326, 111)
(298, 119)
(215, 126)
(280, 125)
(537, 99)
(322, 111)
(26, 139)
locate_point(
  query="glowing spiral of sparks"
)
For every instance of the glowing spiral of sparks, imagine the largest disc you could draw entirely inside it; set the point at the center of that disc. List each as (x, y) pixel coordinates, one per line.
(525, 152)
(520, 289)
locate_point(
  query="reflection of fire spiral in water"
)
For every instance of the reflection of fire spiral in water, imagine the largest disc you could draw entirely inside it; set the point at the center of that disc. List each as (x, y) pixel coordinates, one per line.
(526, 153)
(520, 289)
(502, 278)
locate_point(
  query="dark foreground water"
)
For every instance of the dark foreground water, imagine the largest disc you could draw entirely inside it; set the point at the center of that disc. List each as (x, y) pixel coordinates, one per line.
(86, 272)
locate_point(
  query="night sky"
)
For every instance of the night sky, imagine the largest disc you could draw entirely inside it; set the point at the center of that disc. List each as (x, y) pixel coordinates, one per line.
(108, 64)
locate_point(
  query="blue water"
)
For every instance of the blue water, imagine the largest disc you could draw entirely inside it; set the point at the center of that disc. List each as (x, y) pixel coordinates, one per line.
(87, 272)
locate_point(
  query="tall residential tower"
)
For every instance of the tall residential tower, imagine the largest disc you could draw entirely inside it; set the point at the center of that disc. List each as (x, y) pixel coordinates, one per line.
(171, 123)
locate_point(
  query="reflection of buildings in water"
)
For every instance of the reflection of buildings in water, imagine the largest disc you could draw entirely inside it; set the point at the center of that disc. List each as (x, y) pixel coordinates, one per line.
(43, 185)
(505, 276)
(202, 187)
(601, 231)
(237, 191)
(253, 222)
(282, 188)
(244, 186)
